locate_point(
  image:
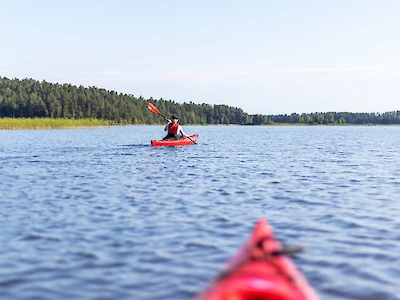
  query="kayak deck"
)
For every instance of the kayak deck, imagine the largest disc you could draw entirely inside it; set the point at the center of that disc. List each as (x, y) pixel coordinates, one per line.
(260, 270)
(176, 142)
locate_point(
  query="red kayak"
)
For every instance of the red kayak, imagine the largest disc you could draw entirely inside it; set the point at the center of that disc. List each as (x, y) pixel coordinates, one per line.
(261, 270)
(173, 142)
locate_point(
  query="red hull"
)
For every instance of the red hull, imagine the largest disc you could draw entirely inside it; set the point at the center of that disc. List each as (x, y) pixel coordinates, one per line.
(261, 270)
(182, 142)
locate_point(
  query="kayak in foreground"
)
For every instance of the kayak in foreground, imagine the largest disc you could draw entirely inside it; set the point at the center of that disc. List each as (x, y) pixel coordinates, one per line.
(173, 142)
(261, 270)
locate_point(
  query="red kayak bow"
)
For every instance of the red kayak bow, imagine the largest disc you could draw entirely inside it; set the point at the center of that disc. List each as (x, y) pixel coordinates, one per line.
(261, 270)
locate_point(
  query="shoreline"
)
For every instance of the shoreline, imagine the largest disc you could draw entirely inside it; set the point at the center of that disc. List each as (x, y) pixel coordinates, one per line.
(50, 123)
(54, 123)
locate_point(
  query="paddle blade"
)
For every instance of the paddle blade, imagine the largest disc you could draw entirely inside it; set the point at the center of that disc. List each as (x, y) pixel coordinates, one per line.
(191, 140)
(153, 109)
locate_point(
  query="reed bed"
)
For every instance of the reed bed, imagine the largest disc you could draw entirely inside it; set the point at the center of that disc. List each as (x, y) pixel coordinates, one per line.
(51, 123)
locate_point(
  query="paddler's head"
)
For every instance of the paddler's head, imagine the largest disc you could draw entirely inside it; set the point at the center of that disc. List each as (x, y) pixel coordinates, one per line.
(174, 119)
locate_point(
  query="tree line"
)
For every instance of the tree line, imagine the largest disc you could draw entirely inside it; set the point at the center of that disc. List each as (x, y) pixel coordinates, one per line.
(28, 98)
(391, 117)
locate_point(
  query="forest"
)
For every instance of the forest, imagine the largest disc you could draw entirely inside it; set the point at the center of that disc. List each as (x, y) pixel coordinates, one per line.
(29, 98)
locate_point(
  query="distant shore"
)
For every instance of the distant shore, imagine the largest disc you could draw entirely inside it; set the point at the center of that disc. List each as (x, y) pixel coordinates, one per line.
(50, 123)
(59, 123)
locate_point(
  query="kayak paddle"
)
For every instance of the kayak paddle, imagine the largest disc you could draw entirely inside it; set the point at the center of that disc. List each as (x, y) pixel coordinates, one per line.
(156, 111)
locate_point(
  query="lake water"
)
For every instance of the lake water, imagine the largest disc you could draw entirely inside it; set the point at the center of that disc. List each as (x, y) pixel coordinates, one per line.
(100, 214)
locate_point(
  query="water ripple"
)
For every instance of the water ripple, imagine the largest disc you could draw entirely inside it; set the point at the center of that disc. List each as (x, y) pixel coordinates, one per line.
(100, 214)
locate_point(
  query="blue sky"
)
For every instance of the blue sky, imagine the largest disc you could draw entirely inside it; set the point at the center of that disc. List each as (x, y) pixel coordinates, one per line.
(266, 57)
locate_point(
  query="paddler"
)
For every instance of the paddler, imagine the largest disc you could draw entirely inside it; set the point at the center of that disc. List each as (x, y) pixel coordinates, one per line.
(174, 130)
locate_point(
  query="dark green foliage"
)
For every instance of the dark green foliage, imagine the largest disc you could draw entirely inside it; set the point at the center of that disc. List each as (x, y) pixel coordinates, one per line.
(30, 98)
(331, 118)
